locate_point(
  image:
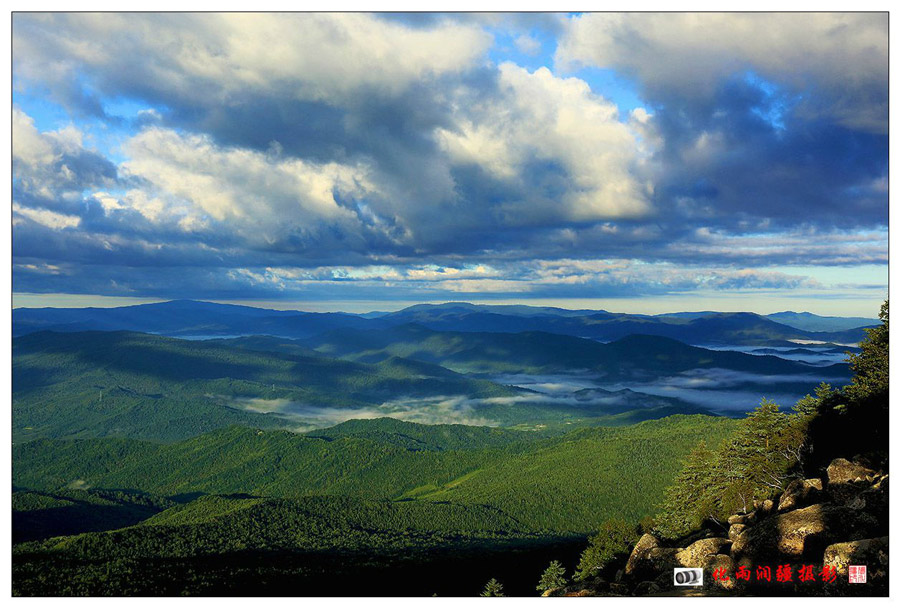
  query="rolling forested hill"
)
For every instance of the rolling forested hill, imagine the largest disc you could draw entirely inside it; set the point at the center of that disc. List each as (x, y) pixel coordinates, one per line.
(138, 385)
(567, 483)
(263, 546)
(372, 498)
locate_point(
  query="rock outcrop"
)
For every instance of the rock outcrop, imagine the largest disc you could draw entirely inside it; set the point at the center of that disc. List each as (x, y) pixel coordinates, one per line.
(814, 528)
(871, 552)
(694, 556)
(803, 532)
(799, 493)
(842, 471)
(640, 551)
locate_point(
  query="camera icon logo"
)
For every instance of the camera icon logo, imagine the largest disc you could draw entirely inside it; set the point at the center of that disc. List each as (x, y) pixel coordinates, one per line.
(688, 577)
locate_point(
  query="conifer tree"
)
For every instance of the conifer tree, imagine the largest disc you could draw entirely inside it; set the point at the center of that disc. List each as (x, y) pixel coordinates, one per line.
(692, 498)
(870, 366)
(493, 588)
(757, 460)
(553, 577)
(615, 537)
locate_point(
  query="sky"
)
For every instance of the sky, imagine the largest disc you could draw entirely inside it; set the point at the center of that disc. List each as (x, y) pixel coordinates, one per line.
(636, 162)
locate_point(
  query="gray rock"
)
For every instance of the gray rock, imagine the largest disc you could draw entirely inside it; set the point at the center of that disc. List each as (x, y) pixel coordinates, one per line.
(618, 589)
(858, 502)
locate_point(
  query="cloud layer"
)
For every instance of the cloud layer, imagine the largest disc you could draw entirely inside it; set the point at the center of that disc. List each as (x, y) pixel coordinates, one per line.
(332, 156)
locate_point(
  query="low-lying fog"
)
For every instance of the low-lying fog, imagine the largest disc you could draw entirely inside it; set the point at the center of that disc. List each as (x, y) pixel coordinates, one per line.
(805, 353)
(435, 410)
(721, 391)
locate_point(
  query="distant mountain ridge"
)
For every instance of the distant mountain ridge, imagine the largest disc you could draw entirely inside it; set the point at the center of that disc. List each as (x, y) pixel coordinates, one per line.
(181, 318)
(190, 318)
(541, 352)
(810, 322)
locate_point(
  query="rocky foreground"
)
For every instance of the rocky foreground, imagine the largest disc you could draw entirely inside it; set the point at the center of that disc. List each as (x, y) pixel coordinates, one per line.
(802, 542)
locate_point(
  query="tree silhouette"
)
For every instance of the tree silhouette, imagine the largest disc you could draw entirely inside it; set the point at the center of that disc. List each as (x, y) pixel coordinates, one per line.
(493, 588)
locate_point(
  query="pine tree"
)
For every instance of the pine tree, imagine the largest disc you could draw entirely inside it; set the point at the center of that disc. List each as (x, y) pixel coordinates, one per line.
(870, 366)
(692, 498)
(493, 589)
(615, 537)
(809, 405)
(757, 460)
(553, 577)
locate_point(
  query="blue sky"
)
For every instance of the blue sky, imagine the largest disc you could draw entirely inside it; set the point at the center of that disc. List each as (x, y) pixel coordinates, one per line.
(645, 162)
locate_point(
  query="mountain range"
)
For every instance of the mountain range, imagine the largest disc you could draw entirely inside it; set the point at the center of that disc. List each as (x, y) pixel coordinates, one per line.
(129, 384)
(190, 318)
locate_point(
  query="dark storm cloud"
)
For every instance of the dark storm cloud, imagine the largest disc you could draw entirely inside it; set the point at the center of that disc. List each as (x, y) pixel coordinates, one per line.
(722, 157)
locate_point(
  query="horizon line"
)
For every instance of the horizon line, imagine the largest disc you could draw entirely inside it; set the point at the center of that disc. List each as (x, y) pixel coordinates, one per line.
(362, 307)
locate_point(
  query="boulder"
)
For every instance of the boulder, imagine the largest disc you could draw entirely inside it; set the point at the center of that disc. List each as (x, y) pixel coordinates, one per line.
(646, 588)
(660, 559)
(873, 494)
(693, 537)
(618, 589)
(842, 470)
(723, 563)
(766, 507)
(665, 580)
(693, 555)
(579, 593)
(736, 530)
(876, 499)
(870, 552)
(736, 519)
(639, 553)
(800, 493)
(802, 532)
